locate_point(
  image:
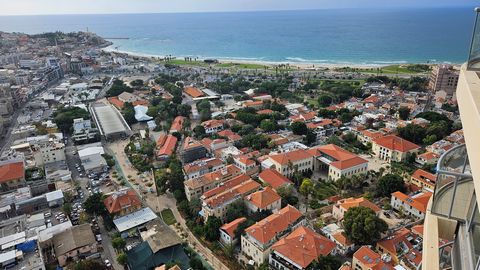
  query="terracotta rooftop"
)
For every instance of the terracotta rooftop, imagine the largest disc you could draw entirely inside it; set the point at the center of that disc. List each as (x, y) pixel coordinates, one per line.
(229, 171)
(303, 246)
(266, 229)
(263, 198)
(372, 134)
(396, 143)
(356, 202)
(177, 124)
(343, 158)
(11, 171)
(239, 190)
(201, 164)
(116, 102)
(292, 156)
(274, 178)
(418, 201)
(169, 146)
(120, 200)
(422, 175)
(193, 92)
(230, 228)
(397, 239)
(370, 259)
(226, 185)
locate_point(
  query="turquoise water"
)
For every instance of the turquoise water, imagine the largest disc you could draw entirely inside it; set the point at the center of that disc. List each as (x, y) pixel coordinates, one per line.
(317, 36)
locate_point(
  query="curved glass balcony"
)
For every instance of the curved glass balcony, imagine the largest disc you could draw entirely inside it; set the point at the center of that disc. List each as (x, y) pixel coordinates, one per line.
(454, 189)
(474, 56)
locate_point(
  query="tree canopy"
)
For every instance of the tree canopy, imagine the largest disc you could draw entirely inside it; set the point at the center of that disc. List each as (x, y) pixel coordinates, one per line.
(388, 184)
(64, 117)
(362, 226)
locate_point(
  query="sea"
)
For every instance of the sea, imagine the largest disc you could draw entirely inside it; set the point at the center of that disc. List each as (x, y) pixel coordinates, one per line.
(333, 36)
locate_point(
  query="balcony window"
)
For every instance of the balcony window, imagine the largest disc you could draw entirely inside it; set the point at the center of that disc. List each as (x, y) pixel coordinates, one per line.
(474, 56)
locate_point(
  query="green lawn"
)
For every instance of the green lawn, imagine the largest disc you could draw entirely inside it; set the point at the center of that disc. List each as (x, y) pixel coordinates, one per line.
(392, 69)
(181, 62)
(242, 65)
(168, 217)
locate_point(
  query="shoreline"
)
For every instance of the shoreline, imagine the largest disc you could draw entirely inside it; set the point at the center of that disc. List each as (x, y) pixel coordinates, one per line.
(300, 65)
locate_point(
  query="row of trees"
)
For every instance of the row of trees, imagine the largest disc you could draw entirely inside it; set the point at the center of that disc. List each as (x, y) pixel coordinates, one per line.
(439, 127)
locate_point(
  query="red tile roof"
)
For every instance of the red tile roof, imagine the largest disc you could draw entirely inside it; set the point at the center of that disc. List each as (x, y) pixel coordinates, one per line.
(231, 227)
(418, 201)
(395, 143)
(263, 198)
(303, 246)
(226, 185)
(343, 158)
(370, 259)
(356, 202)
(274, 178)
(177, 124)
(398, 239)
(169, 146)
(293, 156)
(422, 175)
(193, 92)
(120, 200)
(12, 171)
(116, 102)
(266, 229)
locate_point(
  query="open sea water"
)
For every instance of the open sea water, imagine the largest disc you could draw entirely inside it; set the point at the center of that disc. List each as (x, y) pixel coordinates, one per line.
(337, 36)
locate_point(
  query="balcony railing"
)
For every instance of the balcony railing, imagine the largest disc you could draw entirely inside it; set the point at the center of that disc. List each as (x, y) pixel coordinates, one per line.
(454, 189)
(474, 56)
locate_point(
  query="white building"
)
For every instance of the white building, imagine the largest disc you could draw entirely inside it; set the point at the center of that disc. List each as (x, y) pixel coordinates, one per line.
(83, 130)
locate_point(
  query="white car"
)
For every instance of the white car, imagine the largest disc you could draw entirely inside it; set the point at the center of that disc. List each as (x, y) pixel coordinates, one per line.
(107, 263)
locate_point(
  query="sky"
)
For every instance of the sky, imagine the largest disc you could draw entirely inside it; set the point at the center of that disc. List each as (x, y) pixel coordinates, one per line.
(33, 7)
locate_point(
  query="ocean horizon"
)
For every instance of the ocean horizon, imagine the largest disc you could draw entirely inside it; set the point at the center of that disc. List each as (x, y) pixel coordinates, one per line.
(329, 36)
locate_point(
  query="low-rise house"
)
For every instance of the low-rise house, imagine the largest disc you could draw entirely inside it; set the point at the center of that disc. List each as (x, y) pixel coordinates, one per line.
(217, 205)
(167, 148)
(74, 243)
(288, 163)
(337, 161)
(258, 239)
(230, 135)
(213, 126)
(423, 179)
(246, 165)
(192, 150)
(342, 206)
(91, 157)
(367, 259)
(49, 152)
(227, 231)
(399, 243)
(12, 175)
(177, 124)
(262, 200)
(322, 128)
(202, 167)
(83, 130)
(368, 135)
(393, 148)
(193, 92)
(415, 206)
(194, 188)
(299, 249)
(427, 158)
(337, 235)
(122, 202)
(274, 179)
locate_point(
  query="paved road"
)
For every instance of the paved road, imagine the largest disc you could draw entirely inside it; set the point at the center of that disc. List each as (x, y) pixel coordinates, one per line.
(158, 203)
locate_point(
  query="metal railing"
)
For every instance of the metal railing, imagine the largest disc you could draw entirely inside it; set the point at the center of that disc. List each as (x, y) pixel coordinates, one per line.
(474, 53)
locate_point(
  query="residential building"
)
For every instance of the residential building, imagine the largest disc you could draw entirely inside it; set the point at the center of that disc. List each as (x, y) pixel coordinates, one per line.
(12, 175)
(258, 239)
(414, 205)
(367, 259)
(400, 243)
(299, 249)
(168, 148)
(262, 200)
(274, 179)
(246, 165)
(444, 78)
(217, 205)
(122, 202)
(227, 231)
(49, 152)
(288, 163)
(193, 92)
(194, 188)
(177, 124)
(213, 126)
(337, 235)
(337, 161)
(192, 150)
(427, 158)
(423, 179)
(393, 148)
(74, 243)
(201, 167)
(368, 135)
(342, 206)
(83, 130)
(91, 157)
(453, 211)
